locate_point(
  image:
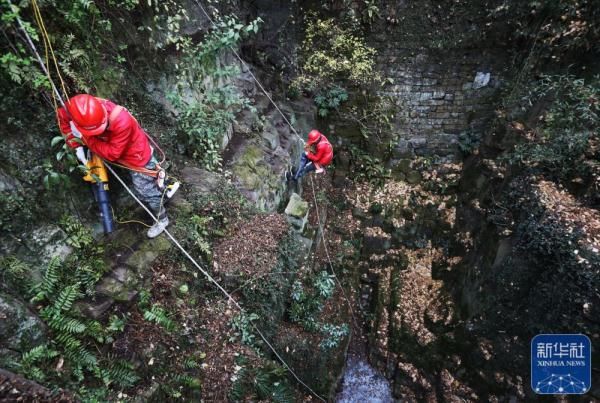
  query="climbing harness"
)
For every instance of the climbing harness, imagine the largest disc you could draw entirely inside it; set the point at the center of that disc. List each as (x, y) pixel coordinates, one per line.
(155, 218)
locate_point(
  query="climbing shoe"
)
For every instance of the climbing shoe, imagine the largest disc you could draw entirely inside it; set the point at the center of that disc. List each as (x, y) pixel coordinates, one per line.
(158, 227)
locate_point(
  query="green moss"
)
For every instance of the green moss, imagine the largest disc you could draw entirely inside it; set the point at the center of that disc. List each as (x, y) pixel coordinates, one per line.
(297, 207)
(253, 172)
(414, 177)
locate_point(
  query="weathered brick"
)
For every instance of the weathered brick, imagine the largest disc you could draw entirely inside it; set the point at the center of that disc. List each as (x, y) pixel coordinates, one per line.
(438, 95)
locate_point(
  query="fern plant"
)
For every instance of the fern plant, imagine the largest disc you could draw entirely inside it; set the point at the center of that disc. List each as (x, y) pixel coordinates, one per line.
(158, 315)
(74, 338)
(266, 383)
(47, 286)
(31, 362)
(14, 274)
(242, 324)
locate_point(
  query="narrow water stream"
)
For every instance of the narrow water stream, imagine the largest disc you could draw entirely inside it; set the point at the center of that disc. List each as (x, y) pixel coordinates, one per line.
(362, 383)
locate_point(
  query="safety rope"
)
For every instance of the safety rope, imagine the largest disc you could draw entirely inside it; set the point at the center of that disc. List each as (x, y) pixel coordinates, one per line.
(302, 141)
(39, 59)
(171, 237)
(326, 248)
(252, 75)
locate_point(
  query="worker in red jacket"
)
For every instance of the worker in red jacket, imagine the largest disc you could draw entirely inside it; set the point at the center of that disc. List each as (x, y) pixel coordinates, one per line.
(318, 153)
(110, 131)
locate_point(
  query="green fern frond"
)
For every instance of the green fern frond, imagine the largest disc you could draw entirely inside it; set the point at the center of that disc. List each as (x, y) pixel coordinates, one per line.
(282, 393)
(67, 296)
(94, 328)
(82, 358)
(47, 286)
(262, 383)
(188, 381)
(190, 363)
(36, 374)
(69, 342)
(38, 353)
(68, 325)
(159, 316)
(122, 373)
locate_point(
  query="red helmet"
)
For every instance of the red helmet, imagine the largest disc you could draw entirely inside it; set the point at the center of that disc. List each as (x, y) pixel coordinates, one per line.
(313, 137)
(88, 114)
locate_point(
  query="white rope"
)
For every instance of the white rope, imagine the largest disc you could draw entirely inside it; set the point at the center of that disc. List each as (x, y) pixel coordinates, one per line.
(39, 58)
(254, 77)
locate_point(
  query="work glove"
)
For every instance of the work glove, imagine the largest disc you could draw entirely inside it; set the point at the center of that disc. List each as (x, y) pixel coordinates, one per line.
(80, 153)
(74, 130)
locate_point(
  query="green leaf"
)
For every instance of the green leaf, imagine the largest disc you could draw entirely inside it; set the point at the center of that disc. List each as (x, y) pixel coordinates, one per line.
(56, 140)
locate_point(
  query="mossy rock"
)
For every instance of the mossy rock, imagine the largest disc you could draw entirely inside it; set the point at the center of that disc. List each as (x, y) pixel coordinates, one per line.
(251, 169)
(20, 329)
(148, 251)
(297, 207)
(116, 290)
(404, 166)
(414, 177)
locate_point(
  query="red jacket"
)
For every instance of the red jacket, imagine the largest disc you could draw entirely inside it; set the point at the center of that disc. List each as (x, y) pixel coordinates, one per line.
(323, 154)
(123, 141)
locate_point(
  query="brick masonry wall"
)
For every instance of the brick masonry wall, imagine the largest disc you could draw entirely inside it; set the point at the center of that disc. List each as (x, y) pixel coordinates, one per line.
(433, 77)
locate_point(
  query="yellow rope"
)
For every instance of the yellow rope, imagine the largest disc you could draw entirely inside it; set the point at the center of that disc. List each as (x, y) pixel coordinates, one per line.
(127, 221)
(48, 45)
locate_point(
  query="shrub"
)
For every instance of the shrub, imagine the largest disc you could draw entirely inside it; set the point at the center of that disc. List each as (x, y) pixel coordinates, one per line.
(265, 383)
(331, 53)
(567, 128)
(330, 99)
